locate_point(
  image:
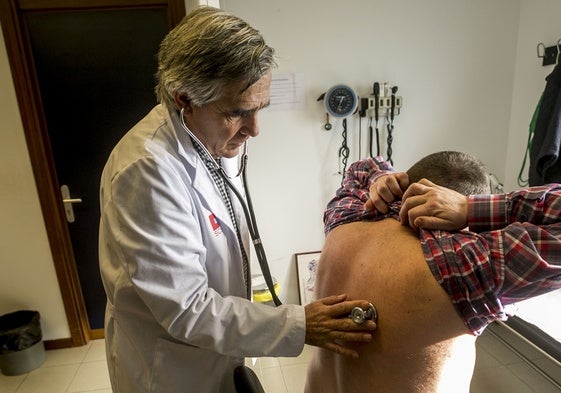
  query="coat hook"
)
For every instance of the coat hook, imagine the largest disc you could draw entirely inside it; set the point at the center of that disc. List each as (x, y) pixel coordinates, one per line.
(541, 45)
(549, 54)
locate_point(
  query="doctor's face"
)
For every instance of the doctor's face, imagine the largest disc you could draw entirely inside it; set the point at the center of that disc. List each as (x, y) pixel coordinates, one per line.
(224, 125)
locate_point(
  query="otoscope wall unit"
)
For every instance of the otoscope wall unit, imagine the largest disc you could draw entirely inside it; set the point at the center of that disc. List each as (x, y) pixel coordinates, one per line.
(383, 100)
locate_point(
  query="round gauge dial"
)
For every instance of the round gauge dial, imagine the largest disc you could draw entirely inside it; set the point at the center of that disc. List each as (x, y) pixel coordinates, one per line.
(341, 101)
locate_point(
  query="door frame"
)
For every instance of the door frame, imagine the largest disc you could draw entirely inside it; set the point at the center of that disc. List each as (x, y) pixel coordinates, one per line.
(37, 139)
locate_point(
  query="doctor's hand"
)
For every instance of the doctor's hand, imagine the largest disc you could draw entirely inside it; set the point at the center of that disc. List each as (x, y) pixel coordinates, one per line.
(429, 206)
(328, 324)
(385, 190)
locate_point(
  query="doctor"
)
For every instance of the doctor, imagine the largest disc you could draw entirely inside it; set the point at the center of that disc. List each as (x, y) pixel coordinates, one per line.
(173, 242)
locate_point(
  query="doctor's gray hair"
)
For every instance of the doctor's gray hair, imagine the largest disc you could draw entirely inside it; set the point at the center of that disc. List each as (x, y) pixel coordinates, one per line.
(458, 171)
(207, 51)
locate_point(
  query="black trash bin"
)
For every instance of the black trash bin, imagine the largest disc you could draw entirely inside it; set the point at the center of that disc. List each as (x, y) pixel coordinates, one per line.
(21, 342)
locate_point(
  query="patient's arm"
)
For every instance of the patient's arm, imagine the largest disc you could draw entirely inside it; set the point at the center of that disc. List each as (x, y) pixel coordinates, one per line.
(421, 344)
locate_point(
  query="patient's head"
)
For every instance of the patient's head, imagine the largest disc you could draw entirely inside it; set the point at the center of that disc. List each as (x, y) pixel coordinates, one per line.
(458, 171)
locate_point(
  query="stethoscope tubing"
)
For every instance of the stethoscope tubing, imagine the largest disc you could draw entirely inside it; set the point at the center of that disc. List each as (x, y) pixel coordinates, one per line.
(252, 226)
(247, 208)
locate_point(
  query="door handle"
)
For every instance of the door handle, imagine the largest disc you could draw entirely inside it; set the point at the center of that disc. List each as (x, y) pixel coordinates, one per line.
(72, 200)
(67, 201)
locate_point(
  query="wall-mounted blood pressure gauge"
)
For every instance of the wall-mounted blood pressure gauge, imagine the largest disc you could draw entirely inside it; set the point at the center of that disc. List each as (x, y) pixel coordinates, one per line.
(340, 101)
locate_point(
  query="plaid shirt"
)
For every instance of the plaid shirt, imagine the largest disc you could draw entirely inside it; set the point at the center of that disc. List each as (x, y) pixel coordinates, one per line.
(511, 252)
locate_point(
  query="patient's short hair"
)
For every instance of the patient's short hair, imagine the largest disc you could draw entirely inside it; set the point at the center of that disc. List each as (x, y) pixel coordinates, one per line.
(458, 171)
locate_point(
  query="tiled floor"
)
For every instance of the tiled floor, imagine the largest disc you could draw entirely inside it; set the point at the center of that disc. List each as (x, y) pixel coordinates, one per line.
(72, 370)
(83, 369)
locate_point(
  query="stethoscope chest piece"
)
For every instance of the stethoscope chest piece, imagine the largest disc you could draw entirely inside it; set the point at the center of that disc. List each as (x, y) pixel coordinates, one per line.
(359, 316)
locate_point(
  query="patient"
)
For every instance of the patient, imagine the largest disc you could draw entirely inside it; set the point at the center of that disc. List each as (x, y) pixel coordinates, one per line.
(421, 344)
(434, 291)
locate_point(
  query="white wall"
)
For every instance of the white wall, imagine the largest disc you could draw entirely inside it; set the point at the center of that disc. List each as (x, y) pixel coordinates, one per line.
(457, 65)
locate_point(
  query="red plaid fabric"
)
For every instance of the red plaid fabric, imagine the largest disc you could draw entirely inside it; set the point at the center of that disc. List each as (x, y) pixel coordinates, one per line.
(348, 203)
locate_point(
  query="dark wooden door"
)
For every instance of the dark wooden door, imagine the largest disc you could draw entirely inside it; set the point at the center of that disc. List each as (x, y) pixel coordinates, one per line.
(93, 76)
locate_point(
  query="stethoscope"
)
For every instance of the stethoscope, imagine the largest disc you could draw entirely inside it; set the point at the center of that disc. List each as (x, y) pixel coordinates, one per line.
(246, 206)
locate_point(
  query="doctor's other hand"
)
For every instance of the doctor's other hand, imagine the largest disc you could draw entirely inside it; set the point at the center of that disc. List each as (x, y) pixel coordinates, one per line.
(429, 206)
(328, 324)
(385, 190)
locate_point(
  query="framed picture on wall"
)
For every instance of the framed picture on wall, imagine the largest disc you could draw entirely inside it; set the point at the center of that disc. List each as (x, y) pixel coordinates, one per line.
(306, 268)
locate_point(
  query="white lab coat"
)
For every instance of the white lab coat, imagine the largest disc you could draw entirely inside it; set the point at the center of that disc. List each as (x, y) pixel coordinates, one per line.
(176, 318)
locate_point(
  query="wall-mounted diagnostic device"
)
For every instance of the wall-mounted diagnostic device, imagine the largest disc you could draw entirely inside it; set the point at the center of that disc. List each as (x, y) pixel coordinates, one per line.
(383, 104)
(382, 101)
(340, 101)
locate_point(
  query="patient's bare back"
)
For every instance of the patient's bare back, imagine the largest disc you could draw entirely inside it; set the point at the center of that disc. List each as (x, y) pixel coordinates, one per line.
(421, 344)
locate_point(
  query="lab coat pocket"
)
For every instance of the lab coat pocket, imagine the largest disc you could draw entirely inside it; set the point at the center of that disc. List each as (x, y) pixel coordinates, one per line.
(180, 367)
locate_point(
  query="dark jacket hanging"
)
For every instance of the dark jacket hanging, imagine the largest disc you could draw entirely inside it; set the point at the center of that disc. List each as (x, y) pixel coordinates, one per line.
(545, 160)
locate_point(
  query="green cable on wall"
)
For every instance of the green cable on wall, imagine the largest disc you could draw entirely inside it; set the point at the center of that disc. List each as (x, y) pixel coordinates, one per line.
(524, 182)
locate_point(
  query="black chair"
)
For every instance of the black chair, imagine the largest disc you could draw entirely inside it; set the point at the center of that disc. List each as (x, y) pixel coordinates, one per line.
(246, 381)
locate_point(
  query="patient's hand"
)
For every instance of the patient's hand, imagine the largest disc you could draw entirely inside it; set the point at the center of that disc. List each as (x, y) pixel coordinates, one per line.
(328, 325)
(426, 205)
(385, 190)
